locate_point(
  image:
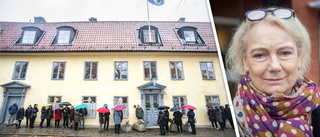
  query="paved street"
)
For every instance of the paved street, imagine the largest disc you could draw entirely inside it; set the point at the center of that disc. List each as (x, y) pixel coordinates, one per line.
(93, 131)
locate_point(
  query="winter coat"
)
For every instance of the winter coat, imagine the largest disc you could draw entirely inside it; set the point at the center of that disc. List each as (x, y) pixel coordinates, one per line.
(315, 117)
(43, 113)
(101, 118)
(28, 112)
(217, 114)
(66, 111)
(191, 116)
(139, 112)
(72, 113)
(20, 114)
(117, 117)
(177, 118)
(211, 114)
(83, 112)
(223, 114)
(57, 114)
(166, 113)
(107, 116)
(49, 113)
(34, 112)
(13, 109)
(227, 112)
(162, 119)
(76, 117)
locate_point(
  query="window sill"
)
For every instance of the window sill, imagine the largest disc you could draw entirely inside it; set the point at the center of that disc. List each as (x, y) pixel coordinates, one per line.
(18, 79)
(208, 79)
(58, 79)
(90, 79)
(120, 79)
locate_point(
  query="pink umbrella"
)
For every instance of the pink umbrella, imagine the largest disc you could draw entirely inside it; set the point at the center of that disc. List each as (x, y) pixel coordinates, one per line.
(119, 108)
(103, 110)
(188, 107)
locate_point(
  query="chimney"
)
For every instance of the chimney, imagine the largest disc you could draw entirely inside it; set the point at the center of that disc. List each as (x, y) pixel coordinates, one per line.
(39, 20)
(93, 19)
(182, 19)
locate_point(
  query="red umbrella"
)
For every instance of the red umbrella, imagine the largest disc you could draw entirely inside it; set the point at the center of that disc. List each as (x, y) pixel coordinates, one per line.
(119, 108)
(188, 107)
(103, 110)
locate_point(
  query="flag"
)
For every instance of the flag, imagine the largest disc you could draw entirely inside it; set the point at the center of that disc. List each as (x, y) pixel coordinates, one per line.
(157, 2)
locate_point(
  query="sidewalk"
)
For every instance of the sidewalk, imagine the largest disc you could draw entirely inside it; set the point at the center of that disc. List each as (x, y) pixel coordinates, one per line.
(94, 131)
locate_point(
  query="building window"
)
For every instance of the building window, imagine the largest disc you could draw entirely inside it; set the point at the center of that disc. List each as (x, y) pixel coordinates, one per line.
(150, 69)
(30, 36)
(20, 70)
(91, 70)
(58, 70)
(55, 101)
(176, 70)
(212, 99)
(146, 37)
(189, 35)
(179, 101)
(120, 70)
(90, 102)
(65, 36)
(207, 70)
(122, 100)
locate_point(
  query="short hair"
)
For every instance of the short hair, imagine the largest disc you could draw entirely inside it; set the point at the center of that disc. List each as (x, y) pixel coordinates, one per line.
(234, 58)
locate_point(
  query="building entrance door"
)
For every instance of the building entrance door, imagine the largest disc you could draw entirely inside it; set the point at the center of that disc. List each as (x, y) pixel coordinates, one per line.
(152, 109)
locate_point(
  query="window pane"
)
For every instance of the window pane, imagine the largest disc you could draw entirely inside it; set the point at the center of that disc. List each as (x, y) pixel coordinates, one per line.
(64, 36)
(90, 102)
(154, 72)
(87, 70)
(147, 70)
(176, 102)
(204, 70)
(210, 70)
(55, 70)
(28, 37)
(117, 101)
(61, 70)
(189, 36)
(183, 102)
(173, 70)
(17, 70)
(124, 70)
(94, 70)
(146, 36)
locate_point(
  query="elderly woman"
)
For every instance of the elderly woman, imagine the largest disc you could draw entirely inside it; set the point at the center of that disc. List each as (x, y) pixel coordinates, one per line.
(271, 48)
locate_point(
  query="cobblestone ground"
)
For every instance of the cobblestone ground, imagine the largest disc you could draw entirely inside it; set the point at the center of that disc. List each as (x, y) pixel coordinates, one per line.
(93, 131)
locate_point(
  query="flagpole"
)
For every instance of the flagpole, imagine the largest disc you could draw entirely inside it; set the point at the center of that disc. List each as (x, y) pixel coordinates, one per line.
(149, 22)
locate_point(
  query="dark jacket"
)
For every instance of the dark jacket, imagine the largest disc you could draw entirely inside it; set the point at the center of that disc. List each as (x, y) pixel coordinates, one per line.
(177, 118)
(49, 114)
(315, 117)
(76, 117)
(107, 116)
(13, 109)
(223, 114)
(139, 112)
(217, 114)
(72, 113)
(20, 114)
(34, 112)
(83, 112)
(191, 116)
(66, 111)
(43, 113)
(161, 119)
(211, 114)
(227, 112)
(28, 112)
(166, 113)
(101, 118)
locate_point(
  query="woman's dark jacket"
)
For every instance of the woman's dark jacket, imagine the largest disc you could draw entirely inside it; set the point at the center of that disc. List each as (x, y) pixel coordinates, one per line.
(217, 114)
(66, 111)
(72, 113)
(43, 113)
(161, 119)
(49, 114)
(177, 118)
(107, 116)
(34, 112)
(101, 118)
(211, 114)
(20, 114)
(190, 117)
(28, 112)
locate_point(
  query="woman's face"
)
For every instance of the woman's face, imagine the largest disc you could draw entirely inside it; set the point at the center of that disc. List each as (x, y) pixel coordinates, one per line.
(271, 58)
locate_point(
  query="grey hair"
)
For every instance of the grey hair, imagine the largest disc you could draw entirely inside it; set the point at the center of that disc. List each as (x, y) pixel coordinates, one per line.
(237, 47)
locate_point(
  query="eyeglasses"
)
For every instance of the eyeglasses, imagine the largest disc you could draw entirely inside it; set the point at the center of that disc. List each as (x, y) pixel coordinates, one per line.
(259, 14)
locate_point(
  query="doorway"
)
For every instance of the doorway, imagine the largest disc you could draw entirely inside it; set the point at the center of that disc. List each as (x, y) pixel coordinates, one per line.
(152, 109)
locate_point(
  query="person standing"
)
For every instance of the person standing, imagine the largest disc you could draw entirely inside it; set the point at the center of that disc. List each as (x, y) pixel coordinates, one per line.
(166, 113)
(101, 121)
(83, 115)
(27, 114)
(191, 116)
(315, 117)
(66, 112)
(228, 115)
(223, 116)
(57, 117)
(139, 112)
(217, 114)
(71, 116)
(43, 115)
(49, 115)
(76, 120)
(162, 122)
(178, 121)
(212, 117)
(106, 120)
(117, 121)
(33, 116)
(20, 115)
(12, 113)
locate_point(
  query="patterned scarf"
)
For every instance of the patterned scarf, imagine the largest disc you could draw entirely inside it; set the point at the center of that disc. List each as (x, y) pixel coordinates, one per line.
(277, 115)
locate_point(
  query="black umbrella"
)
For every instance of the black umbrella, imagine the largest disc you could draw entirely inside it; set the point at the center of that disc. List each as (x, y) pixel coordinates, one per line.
(212, 105)
(163, 107)
(175, 108)
(64, 104)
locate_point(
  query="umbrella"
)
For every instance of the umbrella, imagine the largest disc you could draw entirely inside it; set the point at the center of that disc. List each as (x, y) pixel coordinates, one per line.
(188, 107)
(163, 107)
(119, 108)
(80, 106)
(105, 105)
(212, 105)
(103, 110)
(64, 104)
(47, 105)
(175, 108)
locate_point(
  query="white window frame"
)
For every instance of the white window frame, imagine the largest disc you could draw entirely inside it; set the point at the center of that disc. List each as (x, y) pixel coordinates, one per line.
(176, 70)
(58, 73)
(121, 62)
(179, 99)
(26, 38)
(84, 75)
(207, 78)
(126, 114)
(151, 77)
(93, 109)
(20, 70)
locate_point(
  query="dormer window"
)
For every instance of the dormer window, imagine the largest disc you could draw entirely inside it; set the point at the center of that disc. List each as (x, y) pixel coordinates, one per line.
(189, 35)
(149, 37)
(65, 36)
(30, 36)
